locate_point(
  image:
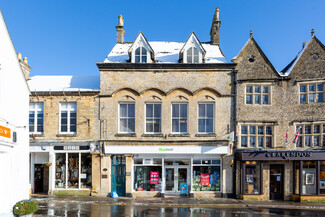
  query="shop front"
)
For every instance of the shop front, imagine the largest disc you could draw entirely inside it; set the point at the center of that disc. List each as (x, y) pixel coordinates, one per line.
(282, 175)
(171, 170)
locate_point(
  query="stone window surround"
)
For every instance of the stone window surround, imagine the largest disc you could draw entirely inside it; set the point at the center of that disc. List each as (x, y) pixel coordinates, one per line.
(306, 84)
(256, 135)
(303, 134)
(35, 113)
(261, 94)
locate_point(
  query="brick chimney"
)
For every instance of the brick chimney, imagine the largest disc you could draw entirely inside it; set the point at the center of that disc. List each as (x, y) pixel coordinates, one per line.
(24, 66)
(120, 32)
(215, 28)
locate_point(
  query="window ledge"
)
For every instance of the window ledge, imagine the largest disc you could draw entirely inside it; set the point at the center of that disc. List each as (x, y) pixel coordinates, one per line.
(66, 135)
(36, 135)
(152, 135)
(125, 135)
(205, 135)
(179, 135)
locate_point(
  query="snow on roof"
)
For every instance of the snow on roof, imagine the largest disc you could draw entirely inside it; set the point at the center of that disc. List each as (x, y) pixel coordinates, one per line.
(165, 52)
(64, 83)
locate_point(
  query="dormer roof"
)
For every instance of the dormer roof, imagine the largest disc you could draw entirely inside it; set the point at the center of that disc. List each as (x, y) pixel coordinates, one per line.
(141, 41)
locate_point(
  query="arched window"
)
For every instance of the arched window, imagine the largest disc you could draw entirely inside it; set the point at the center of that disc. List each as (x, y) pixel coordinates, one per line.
(192, 55)
(140, 55)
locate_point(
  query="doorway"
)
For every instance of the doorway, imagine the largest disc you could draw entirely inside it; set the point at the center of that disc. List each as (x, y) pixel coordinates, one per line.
(276, 181)
(118, 174)
(176, 176)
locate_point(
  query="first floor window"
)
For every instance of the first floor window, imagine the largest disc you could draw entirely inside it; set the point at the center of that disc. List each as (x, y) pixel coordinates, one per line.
(127, 117)
(36, 117)
(179, 118)
(311, 135)
(153, 118)
(312, 93)
(206, 117)
(258, 94)
(68, 117)
(251, 176)
(256, 136)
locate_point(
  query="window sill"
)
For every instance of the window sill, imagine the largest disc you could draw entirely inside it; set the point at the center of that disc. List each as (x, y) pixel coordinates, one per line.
(179, 135)
(205, 135)
(66, 135)
(125, 135)
(152, 135)
(36, 135)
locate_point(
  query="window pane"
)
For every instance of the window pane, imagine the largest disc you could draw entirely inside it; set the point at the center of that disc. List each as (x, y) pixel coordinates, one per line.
(323, 128)
(311, 98)
(149, 126)
(123, 125)
(260, 130)
(123, 110)
(196, 59)
(85, 170)
(210, 110)
(252, 130)
(64, 128)
(265, 99)
(143, 51)
(308, 129)
(312, 88)
(249, 89)
(269, 142)
(268, 130)
(323, 140)
(183, 110)
(201, 125)
(244, 130)
(249, 99)
(157, 126)
(144, 59)
(316, 140)
(175, 110)
(316, 128)
(257, 89)
(265, 89)
(31, 121)
(257, 99)
(209, 126)
(244, 141)
(131, 110)
(131, 125)
(320, 97)
(320, 87)
(73, 128)
(175, 126)
(260, 141)
(157, 110)
(60, 170)
(137, 51)
(183, 125)
(202, 110)
(73, 170)
(196, 51)
(137, 59)
(189, 58)
(252, 141)
(302, 88)
(308, 141)
(149, 110)
(302, 98)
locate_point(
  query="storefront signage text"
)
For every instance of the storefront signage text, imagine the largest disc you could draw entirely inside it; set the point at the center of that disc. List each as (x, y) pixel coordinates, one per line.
(286, 155)
(5, 132)
(71, 147)
(166, 149)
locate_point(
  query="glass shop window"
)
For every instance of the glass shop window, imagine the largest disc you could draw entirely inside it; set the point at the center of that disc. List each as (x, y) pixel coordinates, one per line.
(73, 170)
(252, 178)
(309, 177)
(206, 178)
(147, 178)
(60, 166)
(322, 177)
(296, 178)
(85, 175)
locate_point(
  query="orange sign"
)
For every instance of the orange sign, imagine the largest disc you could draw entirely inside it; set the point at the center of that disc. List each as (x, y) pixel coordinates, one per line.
(5, 132)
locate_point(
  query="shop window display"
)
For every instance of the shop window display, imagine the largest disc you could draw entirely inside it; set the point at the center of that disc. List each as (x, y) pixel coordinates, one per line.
(309, 177)
(85, 175)
(251, 178)
(60, 165)
(206, 178)
(147, 178)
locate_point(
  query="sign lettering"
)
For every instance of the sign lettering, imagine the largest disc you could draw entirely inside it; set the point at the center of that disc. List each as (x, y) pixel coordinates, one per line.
(5, 132)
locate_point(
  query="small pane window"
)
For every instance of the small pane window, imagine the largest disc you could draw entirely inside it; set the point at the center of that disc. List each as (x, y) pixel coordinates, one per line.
(141, 55)
(36, 117)
(193, 55)
(312, 93)
(68, 120)
(257, 95)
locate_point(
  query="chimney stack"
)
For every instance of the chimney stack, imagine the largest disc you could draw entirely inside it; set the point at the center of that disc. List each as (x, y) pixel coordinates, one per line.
(215, 28)
(24, 66)
(120, 32)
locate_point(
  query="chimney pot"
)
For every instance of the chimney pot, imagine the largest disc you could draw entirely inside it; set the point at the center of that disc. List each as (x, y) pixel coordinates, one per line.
(19, 55)
(25, 60)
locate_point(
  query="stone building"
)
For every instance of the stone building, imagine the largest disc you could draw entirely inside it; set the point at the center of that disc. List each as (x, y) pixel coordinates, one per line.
(63, 126)
(271, 109)
(166, 114)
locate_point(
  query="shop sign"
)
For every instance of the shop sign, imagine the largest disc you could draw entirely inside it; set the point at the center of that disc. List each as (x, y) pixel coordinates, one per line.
(5, 132)
(213, 179)
(165, 149)
(282, 155)
(205, 179)
(183, 186)
(154, 178)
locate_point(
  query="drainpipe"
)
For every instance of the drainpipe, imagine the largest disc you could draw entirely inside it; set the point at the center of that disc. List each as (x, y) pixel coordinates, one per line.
(235, 136)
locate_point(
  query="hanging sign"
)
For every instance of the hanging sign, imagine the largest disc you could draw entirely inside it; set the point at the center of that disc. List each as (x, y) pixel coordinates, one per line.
(205, 179)
(214, 179)
(5, 132)
(154, 178)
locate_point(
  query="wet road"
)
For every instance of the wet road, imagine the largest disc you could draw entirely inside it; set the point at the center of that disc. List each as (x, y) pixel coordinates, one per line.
(101, 210)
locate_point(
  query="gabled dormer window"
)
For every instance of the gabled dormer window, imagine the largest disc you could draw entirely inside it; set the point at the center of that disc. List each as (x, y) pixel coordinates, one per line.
(192, 55)
(140, 55)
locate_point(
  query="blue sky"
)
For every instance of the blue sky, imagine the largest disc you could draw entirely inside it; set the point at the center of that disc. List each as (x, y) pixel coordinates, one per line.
(67, 37)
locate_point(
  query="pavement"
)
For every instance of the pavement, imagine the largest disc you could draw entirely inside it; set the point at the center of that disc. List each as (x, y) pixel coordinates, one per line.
(172, 201)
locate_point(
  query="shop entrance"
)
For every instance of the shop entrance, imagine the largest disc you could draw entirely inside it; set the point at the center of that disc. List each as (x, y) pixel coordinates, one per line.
(175, 177)
(118, 174)
(276, 181)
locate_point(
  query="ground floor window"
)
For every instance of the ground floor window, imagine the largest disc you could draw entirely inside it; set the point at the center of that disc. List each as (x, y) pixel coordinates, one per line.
(72, 170)
(147, 174)
(251, 177)
(206, 175)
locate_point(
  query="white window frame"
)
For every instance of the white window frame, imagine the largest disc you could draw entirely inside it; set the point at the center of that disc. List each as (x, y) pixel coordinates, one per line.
(205, 118)
(119, 117)
(256, 135)
(69, 110)
(141, 55)
(193, 48)
(36, 108)
(261, 94)
(307, 93)
(145, 119)
(179, 118)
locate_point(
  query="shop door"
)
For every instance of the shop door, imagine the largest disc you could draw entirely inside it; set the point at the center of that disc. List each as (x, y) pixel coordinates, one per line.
(174, 177)
(38, 178)
(118, 174)
(276, 181)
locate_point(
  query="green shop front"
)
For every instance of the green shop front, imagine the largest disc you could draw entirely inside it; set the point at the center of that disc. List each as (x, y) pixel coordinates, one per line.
(282, 175)
(166, 170)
